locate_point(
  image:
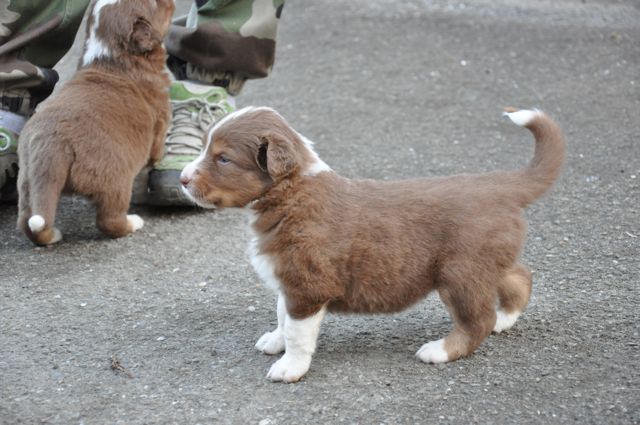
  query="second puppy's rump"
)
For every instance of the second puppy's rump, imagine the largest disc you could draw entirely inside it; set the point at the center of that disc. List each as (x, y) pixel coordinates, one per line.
(95, 134)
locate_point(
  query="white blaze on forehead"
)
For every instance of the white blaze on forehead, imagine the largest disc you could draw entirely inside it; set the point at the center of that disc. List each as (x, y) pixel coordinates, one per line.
(95, 47)
(190, 168)
(236, 114)
(227, 118)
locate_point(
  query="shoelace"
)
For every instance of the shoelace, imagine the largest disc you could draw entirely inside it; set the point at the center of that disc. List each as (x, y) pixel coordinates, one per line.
(190, 120)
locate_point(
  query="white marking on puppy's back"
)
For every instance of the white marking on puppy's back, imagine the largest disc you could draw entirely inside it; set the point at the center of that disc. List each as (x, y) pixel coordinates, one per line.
(36, 223)
(95, 47)
(523, 117)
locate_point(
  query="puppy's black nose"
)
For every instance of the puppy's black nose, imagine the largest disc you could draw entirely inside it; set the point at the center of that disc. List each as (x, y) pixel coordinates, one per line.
(185, 180)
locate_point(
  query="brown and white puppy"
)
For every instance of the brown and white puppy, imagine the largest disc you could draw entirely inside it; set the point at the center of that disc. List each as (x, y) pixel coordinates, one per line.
(94, 135)
(327, 243)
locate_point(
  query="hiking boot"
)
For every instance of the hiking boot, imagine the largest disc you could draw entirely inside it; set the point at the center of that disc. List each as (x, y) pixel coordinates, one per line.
(10, 126)
(23, 87)
(195, 107)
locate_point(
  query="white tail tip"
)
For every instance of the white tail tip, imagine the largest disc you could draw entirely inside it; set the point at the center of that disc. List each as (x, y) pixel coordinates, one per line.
(523, 117)
(36, 223)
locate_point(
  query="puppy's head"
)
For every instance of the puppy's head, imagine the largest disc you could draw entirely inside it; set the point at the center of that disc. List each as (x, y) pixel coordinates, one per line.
(126, 27)
(246, 153)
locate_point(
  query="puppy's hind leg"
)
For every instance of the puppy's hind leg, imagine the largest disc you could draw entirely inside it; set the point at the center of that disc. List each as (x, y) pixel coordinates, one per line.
(472, 306)
(514, 290)
(24, 203)
(111, 213)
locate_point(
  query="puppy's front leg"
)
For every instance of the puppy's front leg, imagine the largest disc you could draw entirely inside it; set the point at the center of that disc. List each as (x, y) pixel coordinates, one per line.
(273, 342)
(300, 337)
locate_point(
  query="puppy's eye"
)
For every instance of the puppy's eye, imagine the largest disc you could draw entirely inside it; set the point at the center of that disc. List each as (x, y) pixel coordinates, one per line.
(223, 160)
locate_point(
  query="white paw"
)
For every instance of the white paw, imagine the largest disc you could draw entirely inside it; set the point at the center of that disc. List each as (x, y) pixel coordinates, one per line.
(433, 352)
(271, 342)
(57, 236)
(289, 369)
(135, 221)
(505, 321)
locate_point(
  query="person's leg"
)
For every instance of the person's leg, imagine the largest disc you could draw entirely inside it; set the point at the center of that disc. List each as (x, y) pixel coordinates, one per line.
(224, 43)
(34, 35)
(212, 52)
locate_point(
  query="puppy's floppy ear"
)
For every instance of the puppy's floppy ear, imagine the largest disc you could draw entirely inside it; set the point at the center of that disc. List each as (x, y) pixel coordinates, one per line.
(277, 156)
(143, 37)
(261, 157)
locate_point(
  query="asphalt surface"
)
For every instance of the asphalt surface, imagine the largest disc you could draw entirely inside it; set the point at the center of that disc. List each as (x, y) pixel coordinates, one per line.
(159, 327)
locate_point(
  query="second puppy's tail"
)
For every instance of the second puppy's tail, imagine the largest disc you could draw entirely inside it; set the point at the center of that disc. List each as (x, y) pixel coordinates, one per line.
(543, 170)
(43, 234)
(39, 193)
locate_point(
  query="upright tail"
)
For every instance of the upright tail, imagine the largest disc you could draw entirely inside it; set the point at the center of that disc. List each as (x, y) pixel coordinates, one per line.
(543, 170)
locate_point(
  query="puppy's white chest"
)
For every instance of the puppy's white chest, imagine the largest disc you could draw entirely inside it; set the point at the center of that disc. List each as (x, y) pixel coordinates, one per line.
(263, 266)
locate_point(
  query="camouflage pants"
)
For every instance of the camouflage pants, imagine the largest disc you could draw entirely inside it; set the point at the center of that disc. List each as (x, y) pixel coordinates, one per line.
(221, 42)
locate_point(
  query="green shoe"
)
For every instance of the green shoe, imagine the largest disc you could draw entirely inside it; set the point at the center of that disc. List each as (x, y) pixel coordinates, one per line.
(195, 107)
(10, 126)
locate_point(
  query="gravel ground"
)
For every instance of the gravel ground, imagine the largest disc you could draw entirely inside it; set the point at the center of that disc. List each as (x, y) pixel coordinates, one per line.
(159, 327)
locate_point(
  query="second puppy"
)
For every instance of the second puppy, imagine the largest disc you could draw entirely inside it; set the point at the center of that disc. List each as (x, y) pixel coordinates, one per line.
(95, 134)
